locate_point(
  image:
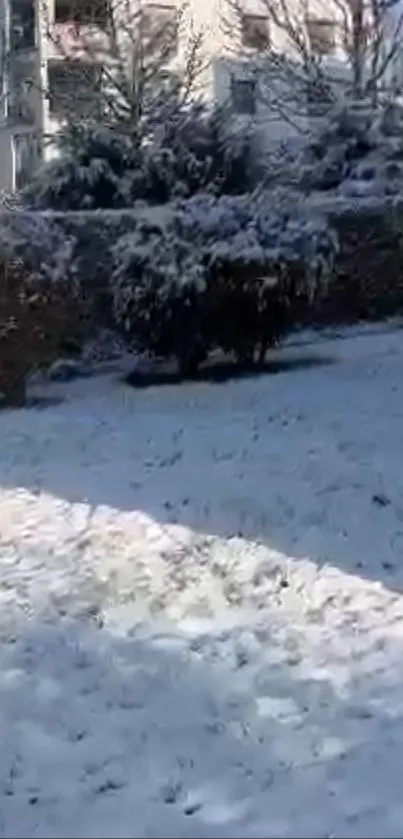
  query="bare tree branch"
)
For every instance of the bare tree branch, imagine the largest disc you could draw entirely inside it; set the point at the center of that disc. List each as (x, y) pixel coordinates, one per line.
(124, 60)
(291, 68)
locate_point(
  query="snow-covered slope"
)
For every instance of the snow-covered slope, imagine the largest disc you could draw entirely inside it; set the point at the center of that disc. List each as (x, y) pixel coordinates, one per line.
(201, 618)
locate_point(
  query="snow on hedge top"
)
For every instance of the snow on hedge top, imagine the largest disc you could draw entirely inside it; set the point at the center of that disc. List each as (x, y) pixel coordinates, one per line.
(156, 257)
(271, 227)
(37, 243)
(204, 232)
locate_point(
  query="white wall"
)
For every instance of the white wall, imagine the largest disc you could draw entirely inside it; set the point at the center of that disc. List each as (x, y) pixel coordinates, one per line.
(18, 151)
(7, 178)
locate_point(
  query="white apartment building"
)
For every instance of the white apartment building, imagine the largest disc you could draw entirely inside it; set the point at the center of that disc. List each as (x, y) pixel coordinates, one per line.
(41, 56)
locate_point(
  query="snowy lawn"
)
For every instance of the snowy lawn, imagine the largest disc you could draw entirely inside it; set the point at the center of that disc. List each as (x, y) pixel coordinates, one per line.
(201, 605)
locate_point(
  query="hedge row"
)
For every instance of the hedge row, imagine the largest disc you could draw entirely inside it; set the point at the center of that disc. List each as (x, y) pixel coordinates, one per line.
(218, 273)
(367, 280)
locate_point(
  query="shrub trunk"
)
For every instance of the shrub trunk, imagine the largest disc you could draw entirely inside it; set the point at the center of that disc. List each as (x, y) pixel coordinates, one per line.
(13, 386)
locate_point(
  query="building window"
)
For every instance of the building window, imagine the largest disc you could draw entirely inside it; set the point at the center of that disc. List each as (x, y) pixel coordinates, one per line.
(321, 34)
(159, 28)
(243, 96)
(26, 155)
(255, 32)
(23, 25)
(74, 89)
(82, 12)
(23, 92)
(21, 105)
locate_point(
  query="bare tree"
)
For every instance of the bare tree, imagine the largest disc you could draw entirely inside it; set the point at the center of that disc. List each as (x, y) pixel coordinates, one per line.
(317, 52)
(112, 60)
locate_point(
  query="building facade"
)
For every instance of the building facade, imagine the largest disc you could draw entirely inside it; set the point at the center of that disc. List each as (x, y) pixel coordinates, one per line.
(54, 53)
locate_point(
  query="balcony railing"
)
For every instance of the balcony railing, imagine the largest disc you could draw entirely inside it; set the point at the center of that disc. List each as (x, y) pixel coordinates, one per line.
(86, 42)
(21, 110)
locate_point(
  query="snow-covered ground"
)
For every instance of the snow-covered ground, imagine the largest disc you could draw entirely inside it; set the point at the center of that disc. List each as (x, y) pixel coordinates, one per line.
(201, 604)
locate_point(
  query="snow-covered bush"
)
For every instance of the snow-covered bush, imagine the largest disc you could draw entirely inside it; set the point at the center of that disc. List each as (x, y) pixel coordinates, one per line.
(367, 281)
(334, 149)
(158, 287)
(40, 244)
(93, 232)
(203, 151)
(356, 152)
(351, 168)
(37, 298)
(219, 272)
(97, 169)
(261, 255)
(182, 152)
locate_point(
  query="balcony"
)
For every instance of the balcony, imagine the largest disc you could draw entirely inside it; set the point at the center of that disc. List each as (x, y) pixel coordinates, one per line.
(22, 108)
(76, 42)
(83, 12)
(74, 89)
(23, 25)
(24, 90)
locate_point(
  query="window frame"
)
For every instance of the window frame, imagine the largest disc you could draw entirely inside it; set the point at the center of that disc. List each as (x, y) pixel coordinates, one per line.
(238, 109)
(324, 23)
(76, 12)
(146, 24)
(247, 42)
(64, 68)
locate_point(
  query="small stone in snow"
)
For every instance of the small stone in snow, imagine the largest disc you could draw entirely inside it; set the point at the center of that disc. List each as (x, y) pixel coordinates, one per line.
(381, 500)
(360, 713)
(192, 808)
(109, 785)
(241, 657)
(388, 566)
(171, 793)
(76, 736)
